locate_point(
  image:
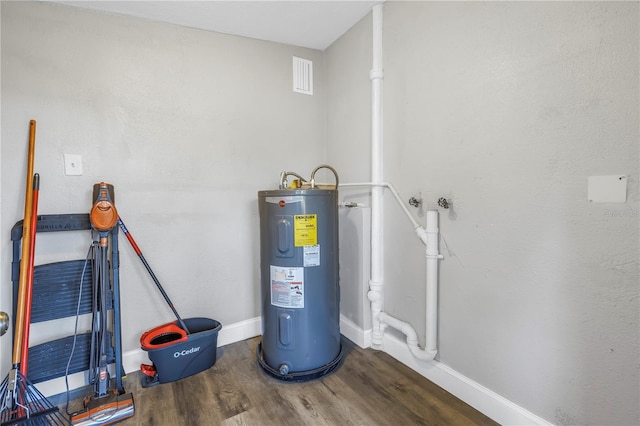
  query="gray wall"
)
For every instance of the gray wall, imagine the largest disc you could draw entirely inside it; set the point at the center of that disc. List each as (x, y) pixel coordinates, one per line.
(506, 108)
(187, 125)
(348, 129)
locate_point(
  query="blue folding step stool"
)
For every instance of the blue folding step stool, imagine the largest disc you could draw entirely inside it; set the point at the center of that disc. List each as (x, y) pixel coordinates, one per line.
(56, 290)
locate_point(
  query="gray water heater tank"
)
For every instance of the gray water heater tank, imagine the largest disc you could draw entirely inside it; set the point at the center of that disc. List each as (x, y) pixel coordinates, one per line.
(299, 283)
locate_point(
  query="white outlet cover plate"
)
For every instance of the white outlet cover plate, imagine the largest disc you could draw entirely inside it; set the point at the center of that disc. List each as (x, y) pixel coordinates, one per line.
(607, 189)
(72, 165)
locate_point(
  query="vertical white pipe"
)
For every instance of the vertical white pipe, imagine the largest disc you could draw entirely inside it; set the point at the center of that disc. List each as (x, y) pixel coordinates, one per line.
(432, 254)
(429, 236)
(377, 234)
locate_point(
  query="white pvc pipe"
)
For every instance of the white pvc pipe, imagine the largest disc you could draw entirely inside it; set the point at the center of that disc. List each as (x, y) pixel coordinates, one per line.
(412, 337)
(431, 344)
(393, 191)
(432, 255)
(429, 236)
(376, 282)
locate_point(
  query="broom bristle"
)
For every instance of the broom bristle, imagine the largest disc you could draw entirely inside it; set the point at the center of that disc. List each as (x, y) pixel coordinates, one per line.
(23, 404)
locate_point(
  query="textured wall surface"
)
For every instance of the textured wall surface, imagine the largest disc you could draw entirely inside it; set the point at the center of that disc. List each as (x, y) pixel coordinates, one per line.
(348, 129)
(187, 125)
(506, 108)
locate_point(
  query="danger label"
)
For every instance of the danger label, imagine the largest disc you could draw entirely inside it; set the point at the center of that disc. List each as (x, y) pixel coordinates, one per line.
(287, 287)
(305, 230)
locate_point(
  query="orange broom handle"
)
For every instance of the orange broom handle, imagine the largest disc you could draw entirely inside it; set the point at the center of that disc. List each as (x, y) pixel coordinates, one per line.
(24, 260)
(24, 361)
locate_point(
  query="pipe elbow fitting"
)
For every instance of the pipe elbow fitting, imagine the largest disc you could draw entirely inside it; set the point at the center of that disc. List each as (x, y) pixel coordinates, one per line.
(423, 355)
(422, 234)
(412, 340)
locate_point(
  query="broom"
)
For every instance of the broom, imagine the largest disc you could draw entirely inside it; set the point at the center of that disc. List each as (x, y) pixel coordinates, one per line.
(22, 403)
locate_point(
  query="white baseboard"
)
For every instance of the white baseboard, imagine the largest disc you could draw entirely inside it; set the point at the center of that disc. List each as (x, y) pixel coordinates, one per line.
(354, 333)
(240, 331)
(479, 397)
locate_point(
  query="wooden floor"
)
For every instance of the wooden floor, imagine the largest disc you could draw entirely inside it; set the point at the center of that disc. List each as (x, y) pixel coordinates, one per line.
(370, 388)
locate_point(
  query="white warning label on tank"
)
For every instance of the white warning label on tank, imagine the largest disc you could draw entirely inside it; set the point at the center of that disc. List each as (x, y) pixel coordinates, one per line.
(287, 287)
(311, 255)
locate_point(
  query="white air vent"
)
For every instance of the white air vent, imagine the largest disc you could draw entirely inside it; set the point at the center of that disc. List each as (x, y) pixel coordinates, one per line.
(302, 76)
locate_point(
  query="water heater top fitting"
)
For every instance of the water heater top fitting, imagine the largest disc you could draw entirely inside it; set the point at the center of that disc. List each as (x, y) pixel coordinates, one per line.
(301, 183)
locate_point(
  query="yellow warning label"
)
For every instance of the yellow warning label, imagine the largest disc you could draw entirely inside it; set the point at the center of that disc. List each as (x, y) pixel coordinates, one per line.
(305, 230)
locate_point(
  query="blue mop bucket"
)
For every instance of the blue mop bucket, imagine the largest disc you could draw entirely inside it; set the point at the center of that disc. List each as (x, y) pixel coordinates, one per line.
(176, 354)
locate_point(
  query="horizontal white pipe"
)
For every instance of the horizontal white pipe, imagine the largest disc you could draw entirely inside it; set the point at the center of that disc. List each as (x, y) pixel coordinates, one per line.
(393, 191)
(350, 204)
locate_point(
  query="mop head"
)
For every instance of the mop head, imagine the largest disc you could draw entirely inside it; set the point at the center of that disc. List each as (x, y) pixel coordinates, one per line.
(105, 410)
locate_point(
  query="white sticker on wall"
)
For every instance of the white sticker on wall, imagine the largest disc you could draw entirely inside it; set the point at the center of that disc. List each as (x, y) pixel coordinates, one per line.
(311, 256)
(287, 286)
(607, 189)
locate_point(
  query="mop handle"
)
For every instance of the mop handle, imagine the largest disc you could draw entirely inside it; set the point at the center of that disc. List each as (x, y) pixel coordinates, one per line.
(24, 361)
(153, 276)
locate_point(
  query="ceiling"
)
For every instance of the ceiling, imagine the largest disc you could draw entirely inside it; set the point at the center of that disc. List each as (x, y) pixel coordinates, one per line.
(312, 24)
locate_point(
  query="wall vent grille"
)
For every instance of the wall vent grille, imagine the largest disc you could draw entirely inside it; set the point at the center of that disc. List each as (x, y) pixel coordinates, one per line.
(302, 76)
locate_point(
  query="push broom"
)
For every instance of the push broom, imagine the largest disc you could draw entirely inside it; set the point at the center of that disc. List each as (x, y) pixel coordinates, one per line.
(21, 401)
